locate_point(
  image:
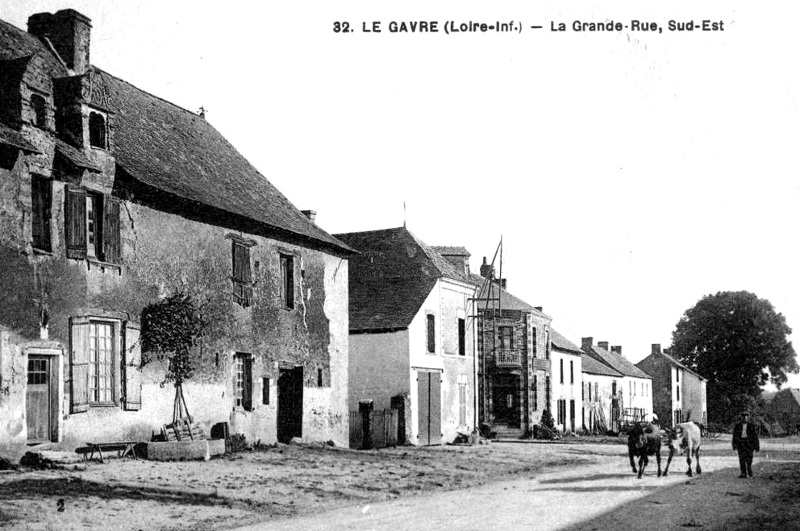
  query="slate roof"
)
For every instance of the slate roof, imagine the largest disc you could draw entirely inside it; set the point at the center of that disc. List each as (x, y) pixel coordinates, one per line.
(14, 138)
(449, 250)
(562, 343)
(681, 365)
(75, 156)
(16, 43)
(508, 301)
(616, 362)
(178, 152)
(590, 365)
(391, 278)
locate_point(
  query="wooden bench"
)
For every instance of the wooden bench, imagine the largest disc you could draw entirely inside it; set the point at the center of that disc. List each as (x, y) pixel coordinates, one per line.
(123, 448)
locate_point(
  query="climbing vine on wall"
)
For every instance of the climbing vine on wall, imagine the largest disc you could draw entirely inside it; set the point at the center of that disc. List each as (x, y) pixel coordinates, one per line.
(170, 328)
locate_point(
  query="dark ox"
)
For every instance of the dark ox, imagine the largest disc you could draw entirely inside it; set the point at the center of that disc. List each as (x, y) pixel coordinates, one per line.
(685, 438)
(644, 440)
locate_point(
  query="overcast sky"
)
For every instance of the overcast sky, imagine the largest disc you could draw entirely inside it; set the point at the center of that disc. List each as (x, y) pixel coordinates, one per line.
(628, 173)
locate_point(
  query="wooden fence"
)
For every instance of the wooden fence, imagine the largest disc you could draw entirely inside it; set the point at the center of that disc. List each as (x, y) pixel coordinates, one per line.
(381, 429)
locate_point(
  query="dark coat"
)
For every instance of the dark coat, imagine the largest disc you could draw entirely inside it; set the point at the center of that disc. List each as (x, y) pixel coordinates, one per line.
(749, 443)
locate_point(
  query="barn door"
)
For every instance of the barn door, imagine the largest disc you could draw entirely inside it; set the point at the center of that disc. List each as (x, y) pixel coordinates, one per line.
(38, 399)
(429, 399)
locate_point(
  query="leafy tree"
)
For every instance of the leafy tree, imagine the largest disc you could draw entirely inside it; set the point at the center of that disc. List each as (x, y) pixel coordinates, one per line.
(739, 343)
(170, 328)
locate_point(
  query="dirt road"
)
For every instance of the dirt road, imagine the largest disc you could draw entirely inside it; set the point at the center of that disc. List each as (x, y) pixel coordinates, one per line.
(598, 496)
(580, 484)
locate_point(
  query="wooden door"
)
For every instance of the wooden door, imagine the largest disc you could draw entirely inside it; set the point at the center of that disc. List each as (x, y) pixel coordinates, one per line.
(429, 399)
(38, 412)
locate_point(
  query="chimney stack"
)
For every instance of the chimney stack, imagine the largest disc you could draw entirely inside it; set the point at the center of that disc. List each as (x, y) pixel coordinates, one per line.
(487, 271)
(586, 342)
(617, 349)
(70, 34)
(311, 215)
(656, 348)
(603, 345)
(538, 308)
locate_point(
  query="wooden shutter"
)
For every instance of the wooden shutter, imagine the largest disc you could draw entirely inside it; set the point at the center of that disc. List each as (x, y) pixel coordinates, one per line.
(242, 276)
(75, 223)
(110, 231)
(41, 199)
(431, 321)
(79, 364)
(132, 363)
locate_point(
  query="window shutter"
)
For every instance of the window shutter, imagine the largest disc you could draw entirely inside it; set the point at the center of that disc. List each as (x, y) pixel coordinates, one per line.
(75, 223)
(132, 362)
(111, 244)
(79, 364)
(242, 277)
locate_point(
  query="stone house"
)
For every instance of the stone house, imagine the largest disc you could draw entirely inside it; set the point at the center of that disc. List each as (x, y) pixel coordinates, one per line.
(600, 383)
(785, 408)
(514, 348)
(679, 393)
(113, 200)
(567, 383)
(411, 335)
(632, 398)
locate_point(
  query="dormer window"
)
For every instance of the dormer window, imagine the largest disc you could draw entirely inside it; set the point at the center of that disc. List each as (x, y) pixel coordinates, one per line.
(39, 106)
(97, 130)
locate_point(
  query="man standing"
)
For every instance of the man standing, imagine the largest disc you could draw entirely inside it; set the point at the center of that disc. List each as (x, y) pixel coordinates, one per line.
(745, 441)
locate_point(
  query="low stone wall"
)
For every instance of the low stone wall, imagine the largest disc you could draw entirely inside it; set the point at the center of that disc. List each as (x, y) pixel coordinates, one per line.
(185, 450)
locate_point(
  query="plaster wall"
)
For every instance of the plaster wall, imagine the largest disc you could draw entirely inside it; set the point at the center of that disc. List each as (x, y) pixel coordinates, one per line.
(13, 375)
(568, 389)
(603, 397)
(379, 368)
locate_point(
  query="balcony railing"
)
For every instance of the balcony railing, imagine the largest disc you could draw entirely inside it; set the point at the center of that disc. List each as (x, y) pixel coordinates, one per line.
(505, 357)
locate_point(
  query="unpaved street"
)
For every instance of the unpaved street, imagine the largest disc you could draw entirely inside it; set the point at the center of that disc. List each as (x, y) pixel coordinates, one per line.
(582, 483)
(599, 496)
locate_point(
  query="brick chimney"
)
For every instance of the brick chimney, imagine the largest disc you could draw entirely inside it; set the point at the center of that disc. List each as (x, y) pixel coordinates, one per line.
(311, 215)
(586, 342)
(617, 349)
(487, 271)
(69, 32)
(603, 345)
(656, 348)
(538, 308)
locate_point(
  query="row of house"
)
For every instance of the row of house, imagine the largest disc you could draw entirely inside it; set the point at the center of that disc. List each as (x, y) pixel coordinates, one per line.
(114, 201)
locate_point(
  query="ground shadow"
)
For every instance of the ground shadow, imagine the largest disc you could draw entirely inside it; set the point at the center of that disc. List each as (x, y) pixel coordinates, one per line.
(67, 489)
(593, 477)
(697, 502)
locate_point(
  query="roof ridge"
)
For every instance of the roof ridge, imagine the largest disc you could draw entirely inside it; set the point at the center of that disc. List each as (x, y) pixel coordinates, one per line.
(368, 231)
(94, 67)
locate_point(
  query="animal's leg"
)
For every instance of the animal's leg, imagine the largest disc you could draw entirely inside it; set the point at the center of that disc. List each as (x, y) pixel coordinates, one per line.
(630, 456)
(658, 461)
(642, 464)
(669, 459)
(697, 458)
(689, 462)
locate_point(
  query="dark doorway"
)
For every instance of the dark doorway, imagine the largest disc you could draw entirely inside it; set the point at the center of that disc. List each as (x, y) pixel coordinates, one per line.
(505, 400)
(290, 404)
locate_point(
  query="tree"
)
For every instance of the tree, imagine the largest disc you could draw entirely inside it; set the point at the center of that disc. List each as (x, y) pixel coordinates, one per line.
(170, 328)
(739, 343)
